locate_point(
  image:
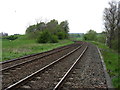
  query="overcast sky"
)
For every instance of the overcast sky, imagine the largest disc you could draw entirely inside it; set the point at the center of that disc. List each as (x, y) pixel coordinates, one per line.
(82, 15)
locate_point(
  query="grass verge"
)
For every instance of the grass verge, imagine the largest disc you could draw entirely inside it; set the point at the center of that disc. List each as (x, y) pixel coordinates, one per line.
(111, 59)
(21, 47)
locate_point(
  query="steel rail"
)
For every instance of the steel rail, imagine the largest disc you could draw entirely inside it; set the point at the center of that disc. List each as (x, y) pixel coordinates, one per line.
(17, 84)
(12, 60)
(17, 65)
(70, 69)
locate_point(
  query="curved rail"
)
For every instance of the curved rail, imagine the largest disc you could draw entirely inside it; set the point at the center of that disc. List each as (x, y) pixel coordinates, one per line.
(24, 80)
(16, 65)
(12, 60)
(70, 69)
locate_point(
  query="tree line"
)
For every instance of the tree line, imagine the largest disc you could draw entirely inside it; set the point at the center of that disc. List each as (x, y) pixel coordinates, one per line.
(112, 25)
(111, 35)
(92, 35)
(48, 32)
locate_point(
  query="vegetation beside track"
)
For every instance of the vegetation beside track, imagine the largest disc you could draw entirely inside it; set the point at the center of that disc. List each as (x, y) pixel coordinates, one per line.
(22, 46)
(111, 59)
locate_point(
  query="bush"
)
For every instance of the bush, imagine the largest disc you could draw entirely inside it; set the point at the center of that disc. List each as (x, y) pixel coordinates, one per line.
(44, 37)
(61, 35)
(115, 45)
(90, 35)
(101, 38)
(54, 39)
(12, 37)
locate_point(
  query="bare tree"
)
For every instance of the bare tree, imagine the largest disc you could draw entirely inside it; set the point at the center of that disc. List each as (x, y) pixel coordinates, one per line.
(111, 21)
(118, 27)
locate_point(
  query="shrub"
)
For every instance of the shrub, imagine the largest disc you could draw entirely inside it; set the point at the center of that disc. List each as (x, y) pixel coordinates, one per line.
(90, 35)
(12, 37)
(61, 35)
(44, 37)
(101, 38)
(54, 39)
(115, 45)
(47, 37)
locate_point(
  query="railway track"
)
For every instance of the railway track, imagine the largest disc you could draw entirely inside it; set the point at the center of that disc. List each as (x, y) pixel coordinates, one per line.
(74, 67)
(48, 76)
(32, 57)
(62, 80)
(88, 73)
(28, 68)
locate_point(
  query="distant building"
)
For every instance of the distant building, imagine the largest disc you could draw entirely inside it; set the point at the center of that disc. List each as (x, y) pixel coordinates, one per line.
(3, 34)
(77, 33)
(16, 34)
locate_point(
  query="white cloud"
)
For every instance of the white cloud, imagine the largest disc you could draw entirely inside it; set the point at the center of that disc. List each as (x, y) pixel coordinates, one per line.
(82, 15)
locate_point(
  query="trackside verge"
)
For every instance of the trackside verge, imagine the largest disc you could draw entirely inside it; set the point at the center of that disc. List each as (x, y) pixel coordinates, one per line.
(108, 80)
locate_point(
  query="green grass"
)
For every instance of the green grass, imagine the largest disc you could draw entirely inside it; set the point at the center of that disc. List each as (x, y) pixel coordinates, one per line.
(111, 60)
(23, 46)
(0, 49)
(76, 39)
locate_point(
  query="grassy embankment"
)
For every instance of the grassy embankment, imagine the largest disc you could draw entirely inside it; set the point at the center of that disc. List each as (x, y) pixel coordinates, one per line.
(23, 46)
(112, 64)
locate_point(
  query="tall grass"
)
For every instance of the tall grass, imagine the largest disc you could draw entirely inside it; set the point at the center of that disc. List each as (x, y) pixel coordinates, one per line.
(0, 50)
(23, 46)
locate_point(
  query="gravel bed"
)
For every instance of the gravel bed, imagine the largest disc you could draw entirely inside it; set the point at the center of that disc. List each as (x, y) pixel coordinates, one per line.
(12, 76)
(48, 79)
(20, 60)
(88, 73)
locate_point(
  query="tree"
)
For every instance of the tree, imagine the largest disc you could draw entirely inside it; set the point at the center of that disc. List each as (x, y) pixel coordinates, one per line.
(101, 37)
(40, 26)
(118, 27)
(111, 22)
(30, 29)
(64, 27)
(58, 31)
(52, 25)
(90, 35)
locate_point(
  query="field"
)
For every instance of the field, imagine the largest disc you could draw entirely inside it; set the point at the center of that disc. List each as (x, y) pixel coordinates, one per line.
(23, 46)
